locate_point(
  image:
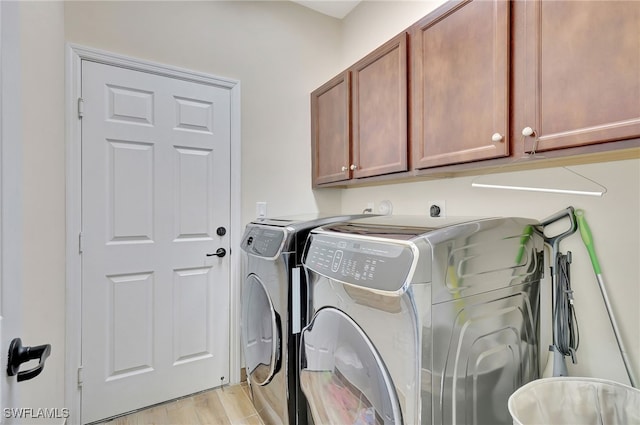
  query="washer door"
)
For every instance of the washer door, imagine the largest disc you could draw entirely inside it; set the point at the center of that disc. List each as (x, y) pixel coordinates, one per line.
(261, 332)
(342, 375)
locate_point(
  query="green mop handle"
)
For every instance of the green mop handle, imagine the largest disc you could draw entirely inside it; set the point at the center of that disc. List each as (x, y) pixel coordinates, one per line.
(588, 243)
(585, 232)
(526, 236)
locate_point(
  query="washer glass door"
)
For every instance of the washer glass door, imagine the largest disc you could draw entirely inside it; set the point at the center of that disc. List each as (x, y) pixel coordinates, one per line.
(261, 335)
(342, 375)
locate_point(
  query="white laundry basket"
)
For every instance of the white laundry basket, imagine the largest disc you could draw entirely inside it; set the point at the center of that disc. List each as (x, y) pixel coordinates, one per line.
(572, 400)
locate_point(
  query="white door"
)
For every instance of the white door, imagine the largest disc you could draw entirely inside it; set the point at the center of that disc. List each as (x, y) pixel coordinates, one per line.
(155, 198)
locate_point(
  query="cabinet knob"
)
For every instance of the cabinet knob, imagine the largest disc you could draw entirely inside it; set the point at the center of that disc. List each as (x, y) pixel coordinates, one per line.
(344, 168)
(527, 131)
(497, 137)
(353, 167)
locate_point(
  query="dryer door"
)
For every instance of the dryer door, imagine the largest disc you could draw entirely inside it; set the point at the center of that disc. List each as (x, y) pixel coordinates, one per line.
(261, 332)
(342, 375)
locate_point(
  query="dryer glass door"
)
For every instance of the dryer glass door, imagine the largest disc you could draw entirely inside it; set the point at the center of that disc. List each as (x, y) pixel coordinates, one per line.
(261, 335)
(342, 375)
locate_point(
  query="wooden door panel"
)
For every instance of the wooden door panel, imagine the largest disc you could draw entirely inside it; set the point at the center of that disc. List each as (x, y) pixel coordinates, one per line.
(583, 72)
(460, 83)
(193, 317)
(130, 307)
(379, 94)
(194, 200)
(330, 106)
(129, 192)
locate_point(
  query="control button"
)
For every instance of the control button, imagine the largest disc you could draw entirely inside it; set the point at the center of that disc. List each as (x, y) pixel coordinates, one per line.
(337, 259)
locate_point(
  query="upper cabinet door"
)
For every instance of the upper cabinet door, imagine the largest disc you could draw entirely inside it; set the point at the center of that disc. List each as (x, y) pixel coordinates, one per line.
(379, 95)
(460, 84)
(578, 70)
(330, 113)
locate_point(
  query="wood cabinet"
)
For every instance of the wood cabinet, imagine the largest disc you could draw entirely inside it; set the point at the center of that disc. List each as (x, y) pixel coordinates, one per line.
(576, 72)
(479, 72)
(379, 106)
(359, 118)
(330, 130)
(460, 83)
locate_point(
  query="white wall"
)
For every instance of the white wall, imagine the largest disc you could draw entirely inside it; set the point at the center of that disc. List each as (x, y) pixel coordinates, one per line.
(372, 23)
(42, 57)
(614, 218)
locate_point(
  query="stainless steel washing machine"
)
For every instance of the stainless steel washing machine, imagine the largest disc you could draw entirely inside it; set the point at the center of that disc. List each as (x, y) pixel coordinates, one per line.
(273, 313)
(419, 320)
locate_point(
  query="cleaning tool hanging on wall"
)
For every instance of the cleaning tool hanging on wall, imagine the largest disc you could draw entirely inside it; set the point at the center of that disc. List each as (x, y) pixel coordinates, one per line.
(565, 326)
(587, 238)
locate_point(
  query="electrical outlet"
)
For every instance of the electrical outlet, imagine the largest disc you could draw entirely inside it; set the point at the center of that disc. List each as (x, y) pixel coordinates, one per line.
(261, 209)
(437, 209)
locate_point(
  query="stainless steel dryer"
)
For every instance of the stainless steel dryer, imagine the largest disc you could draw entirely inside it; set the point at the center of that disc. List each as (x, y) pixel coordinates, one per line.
(273, 314)
(420, 321)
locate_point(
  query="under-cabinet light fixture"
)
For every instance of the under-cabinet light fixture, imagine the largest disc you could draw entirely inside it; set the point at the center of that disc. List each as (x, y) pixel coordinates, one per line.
(554, 180)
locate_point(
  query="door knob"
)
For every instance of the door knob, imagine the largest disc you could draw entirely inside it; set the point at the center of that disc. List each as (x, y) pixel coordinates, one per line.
(220, 252)
(19, 354)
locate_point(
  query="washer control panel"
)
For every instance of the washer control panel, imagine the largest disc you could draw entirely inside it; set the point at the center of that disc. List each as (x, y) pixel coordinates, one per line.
(370, 264)
(263, 241)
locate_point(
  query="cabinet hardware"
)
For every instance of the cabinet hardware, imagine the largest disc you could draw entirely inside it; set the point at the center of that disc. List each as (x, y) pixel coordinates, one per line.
(527, 131)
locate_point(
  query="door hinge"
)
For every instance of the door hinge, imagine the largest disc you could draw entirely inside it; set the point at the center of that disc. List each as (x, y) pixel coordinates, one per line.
(80, 107)
(80, 376)
(80, 243)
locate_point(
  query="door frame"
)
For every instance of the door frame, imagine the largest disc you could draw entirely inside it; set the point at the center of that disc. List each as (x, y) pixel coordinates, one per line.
(75, 54)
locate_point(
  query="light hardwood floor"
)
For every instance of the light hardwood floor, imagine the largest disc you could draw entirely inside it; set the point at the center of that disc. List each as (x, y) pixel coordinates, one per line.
(225, 406)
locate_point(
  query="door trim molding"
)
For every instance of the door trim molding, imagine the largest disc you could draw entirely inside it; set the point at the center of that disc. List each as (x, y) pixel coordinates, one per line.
(75, 54)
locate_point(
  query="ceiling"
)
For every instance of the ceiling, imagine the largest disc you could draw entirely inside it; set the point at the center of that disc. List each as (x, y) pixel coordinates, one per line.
(336, 8)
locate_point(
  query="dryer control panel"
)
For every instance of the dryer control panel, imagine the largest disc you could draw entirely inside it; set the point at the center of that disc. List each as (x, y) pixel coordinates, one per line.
(263, 241)
(370, 264)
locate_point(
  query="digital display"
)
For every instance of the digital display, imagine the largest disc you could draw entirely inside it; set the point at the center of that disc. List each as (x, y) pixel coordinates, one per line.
(263, 241)
(377, 265)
